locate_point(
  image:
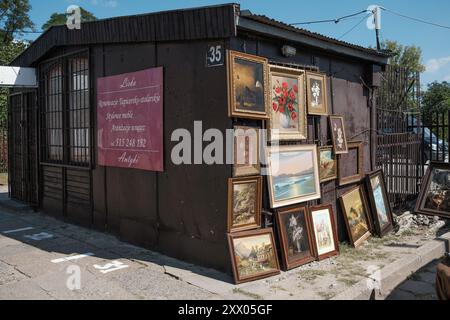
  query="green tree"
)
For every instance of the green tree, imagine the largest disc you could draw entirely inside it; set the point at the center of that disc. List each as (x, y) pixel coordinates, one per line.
(409, 57)
(57, 19)
(14, 19)
(435, 101)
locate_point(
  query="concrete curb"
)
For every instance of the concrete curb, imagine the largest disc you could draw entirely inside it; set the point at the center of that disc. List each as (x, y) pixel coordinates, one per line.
(381, 283)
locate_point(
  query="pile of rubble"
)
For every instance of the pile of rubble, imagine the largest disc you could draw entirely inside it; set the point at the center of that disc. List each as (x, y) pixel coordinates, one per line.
(408, 221)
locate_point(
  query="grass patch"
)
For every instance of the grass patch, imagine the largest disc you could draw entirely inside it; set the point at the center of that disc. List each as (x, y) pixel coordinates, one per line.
(348, 281)
(252, 295)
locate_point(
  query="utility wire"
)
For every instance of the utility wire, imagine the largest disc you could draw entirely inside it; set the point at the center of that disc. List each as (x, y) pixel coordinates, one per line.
(415, 19)
(355, 26)
(337, 20)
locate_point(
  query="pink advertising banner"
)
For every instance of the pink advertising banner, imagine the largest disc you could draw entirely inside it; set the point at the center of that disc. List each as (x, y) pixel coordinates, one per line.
(130, 120)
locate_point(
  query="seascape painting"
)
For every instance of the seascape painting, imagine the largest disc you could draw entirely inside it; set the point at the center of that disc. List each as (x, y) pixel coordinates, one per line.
(382, 211)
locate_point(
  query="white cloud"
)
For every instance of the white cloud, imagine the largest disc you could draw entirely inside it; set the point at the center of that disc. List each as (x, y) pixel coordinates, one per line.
(434, 65)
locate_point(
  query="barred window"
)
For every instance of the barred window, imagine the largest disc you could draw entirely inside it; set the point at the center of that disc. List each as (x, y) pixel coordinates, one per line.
(65, 119)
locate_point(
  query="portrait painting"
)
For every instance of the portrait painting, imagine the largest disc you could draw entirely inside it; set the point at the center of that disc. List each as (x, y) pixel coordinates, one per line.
(316, 86)
(324, 231)
(356, 215)
(246, 151)
(351, 164)
(287, 104)
(379, 202)
(247, 84)
(338, 134)
(293, 174)
(253, 255)
(434, 197)
(295, 235)
(327, 164)
(244, 203)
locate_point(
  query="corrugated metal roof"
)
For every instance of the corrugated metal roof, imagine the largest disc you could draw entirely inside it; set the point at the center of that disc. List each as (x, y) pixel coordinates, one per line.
(269, 21)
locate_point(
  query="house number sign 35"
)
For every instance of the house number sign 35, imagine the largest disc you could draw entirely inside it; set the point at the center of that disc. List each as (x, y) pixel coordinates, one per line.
(215, 55)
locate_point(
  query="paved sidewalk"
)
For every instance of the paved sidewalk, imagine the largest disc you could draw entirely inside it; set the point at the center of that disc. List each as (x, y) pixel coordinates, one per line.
(420, 286)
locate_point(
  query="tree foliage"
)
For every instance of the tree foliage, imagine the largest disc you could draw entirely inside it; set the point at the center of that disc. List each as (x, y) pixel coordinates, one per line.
(409, 57)
(14, 19)
(436, 98)
(57, 19)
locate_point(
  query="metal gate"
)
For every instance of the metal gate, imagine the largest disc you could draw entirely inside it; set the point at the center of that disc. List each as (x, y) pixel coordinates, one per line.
(436, 136)
(23, 147)
(399, 140)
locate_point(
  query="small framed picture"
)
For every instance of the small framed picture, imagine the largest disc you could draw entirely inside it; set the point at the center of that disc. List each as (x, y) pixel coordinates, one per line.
(379, 203)
(324, 231)
(244, 203)
(246, 151)
(356, 215)
(351, 164)
(327, 164)
(247, 85)
(434, 197)
(338, 134)
(253, 255)
(316, 86)
(287, 104)
(294, 232)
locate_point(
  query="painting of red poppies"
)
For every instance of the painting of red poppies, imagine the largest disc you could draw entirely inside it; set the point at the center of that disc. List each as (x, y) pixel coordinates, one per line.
(287, 104)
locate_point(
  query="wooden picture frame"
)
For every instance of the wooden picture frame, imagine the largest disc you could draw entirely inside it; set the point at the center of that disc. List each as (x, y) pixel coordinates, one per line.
(379, 203)
(266, 254)
(356, 215)
(293, 174)
(338, 135)
(248, 82)
(294, 233)
(322, 220)
(246, 151)
(287, 105)
(327, 171)
(317, 94)
(249, 191)
(346, 159)
(434, 196)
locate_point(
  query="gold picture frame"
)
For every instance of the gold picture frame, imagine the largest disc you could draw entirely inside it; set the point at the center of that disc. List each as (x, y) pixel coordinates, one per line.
(248, 82)
(287, 105)
(317, 94)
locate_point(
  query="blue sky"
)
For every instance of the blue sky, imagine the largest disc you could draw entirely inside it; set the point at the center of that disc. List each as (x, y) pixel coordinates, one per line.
(433, 41)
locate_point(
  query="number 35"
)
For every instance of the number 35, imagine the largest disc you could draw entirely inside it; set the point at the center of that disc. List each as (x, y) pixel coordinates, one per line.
(215, 54)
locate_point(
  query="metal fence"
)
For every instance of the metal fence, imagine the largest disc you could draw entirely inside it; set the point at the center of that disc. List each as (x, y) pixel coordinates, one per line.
(3, 146)
(435, 136)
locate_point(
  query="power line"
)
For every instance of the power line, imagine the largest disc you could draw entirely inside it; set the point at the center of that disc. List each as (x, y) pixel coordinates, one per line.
(337, 20)
(355, 26)
(416, 19)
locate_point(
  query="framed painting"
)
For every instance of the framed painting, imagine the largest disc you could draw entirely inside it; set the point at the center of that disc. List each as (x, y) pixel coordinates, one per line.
(293, 174)
(434, 197)
(244, 203)
(253, 255)
(328, 165)
(324, 232)
(316, 86)
(379, 203)
(247, 85)
(294, 232)
(246, 160)
(338, 134)
(351, 164)
(356, 215)
(287, 104)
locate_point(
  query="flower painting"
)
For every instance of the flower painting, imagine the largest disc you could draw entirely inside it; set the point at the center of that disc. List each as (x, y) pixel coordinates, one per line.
(253, 255)
(248, 81)
(338, 134)
(288, 111)
(293, 174)
(244, 203)
(327, 164)
(317, 95)
(355, 209)
(324, 231)
(295, 234)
